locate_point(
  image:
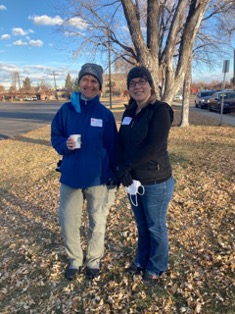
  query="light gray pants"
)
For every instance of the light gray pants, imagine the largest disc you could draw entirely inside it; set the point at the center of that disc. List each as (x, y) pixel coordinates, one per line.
(99, 200)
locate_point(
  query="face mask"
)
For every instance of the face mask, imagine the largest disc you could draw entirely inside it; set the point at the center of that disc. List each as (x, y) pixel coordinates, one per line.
(134, 189)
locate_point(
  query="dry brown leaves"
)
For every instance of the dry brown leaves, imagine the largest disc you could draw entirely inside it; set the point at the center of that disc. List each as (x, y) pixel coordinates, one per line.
(200, 278)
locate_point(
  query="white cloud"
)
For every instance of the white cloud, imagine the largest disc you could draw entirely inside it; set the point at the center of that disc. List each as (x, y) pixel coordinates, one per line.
(7, 67)
(36, 73)
(5, 36)
(77, 22)
(70, 33)
(39, 67)
(2, 7)
(46, 20)
(36, 43)
(20, 43)
(17, 31)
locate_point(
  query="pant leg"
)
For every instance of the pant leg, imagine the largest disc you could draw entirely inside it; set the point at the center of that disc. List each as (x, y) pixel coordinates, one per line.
(110, 199)
(71, 204)
(143, 249)
(98, 208)
(155, 201)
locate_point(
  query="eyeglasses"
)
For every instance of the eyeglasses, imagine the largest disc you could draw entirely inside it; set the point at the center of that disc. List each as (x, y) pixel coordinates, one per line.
(140, 82)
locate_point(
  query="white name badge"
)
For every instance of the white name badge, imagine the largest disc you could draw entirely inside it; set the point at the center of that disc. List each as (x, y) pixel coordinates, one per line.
(126, 120)
(96, 122)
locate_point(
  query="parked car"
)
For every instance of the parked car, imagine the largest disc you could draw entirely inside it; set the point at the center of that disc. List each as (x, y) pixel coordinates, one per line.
(34, 98)
(27, 98)
(178, 96)
(214, 103)
(201, 100)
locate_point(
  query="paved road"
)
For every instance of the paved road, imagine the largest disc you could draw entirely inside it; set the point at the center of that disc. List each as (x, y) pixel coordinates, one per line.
(22, 117)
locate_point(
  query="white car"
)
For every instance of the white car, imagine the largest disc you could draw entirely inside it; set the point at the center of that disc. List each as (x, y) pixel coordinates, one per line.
(178, 96)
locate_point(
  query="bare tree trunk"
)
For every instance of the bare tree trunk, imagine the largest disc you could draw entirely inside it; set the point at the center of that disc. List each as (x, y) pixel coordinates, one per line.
(186, 94)
(174, 77)
(164, 46)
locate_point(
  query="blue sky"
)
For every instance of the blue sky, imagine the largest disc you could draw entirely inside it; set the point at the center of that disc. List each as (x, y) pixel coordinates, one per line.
(31, 45)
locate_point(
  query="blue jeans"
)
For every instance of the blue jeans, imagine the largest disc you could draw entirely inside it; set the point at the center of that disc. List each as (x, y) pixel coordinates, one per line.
(150, 216)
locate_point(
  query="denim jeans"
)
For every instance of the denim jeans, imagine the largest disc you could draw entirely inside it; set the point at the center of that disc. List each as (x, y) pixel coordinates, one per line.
(99, 200)
(150, 216)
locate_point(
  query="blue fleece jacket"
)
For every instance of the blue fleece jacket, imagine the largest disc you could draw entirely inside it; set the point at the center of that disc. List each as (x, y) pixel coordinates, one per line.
(93, 164)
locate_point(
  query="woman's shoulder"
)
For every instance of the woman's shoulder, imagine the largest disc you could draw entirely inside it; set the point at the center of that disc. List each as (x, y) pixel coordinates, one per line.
(157, 104)
(65, 107)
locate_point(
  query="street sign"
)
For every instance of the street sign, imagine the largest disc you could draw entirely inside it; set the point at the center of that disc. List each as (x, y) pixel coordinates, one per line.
(226, 66)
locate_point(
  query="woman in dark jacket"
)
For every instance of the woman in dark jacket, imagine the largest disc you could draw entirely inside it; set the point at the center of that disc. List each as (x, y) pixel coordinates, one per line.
(143, 157)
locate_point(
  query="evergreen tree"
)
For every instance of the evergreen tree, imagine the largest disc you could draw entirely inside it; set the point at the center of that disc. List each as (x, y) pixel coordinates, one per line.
(68, 83)
(27, 84)
(75, 85)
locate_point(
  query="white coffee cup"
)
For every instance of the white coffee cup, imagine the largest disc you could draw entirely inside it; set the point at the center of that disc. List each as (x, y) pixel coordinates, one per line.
(77, 139)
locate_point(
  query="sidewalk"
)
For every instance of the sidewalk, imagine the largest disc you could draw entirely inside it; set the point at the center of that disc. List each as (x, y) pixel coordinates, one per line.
(226, 118)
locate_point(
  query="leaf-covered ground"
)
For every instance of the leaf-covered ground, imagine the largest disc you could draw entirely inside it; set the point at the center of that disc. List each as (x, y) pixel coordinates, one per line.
(200, 277)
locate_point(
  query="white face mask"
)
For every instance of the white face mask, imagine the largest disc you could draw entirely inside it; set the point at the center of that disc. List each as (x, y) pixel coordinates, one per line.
(133, 190)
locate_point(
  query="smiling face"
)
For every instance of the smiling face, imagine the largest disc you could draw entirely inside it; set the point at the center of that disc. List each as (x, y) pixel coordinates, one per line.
(140, 90)
(89, 86)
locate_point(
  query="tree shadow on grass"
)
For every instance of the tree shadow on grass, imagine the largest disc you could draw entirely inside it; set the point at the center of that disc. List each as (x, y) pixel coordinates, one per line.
(25, 139)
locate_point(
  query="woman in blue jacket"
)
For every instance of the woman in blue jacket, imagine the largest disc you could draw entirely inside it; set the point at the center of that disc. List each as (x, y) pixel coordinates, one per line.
(85, 171)
(143, 157)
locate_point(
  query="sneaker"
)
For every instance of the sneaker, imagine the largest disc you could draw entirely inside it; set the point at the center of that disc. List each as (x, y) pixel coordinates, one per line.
(71, 273)
(150, 280)
(92, 273)
(134, 270)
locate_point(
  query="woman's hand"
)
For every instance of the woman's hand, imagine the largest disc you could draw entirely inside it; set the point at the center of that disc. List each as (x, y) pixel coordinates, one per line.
(123, 173)
(70, 143)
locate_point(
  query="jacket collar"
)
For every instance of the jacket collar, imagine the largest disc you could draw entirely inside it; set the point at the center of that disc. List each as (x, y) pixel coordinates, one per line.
(132, 103)
(77, 101)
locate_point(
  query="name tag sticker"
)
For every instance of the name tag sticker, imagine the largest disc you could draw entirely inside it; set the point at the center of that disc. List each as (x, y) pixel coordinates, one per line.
(126, 120)
(96, 122)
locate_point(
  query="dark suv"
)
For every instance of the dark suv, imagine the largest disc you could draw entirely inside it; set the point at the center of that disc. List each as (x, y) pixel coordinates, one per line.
(202, 98)
(214, 103)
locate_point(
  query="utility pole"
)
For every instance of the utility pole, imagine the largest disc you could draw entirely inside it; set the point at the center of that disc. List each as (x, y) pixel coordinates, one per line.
(56, 95)
(225, 70)
(110, 74)
(234, 69)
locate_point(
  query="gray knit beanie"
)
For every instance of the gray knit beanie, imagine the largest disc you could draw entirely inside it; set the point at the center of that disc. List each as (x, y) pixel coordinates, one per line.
(92, 69)
(139, 71)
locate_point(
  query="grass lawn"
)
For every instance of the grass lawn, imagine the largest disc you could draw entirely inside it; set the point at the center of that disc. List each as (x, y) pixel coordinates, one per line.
(201, 273)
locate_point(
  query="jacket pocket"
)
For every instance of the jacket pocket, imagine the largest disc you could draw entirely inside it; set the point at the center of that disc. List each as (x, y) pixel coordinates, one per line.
(153, 166)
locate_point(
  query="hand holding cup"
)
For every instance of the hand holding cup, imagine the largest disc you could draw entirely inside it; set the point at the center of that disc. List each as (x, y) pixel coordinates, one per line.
(74, 141)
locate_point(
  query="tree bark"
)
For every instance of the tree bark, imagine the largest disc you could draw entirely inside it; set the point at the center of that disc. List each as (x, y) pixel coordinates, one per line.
(186, 94)
(164, 46)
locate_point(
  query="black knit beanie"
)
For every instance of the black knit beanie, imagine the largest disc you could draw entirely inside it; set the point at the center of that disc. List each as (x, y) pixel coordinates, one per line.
(92, 69)
(139, 71)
